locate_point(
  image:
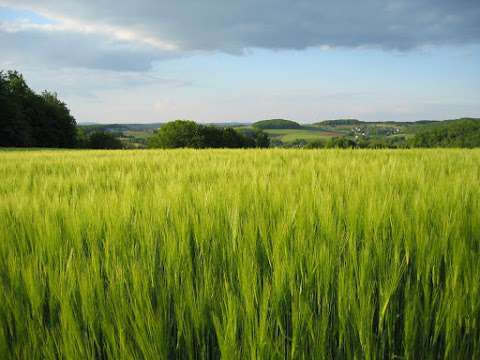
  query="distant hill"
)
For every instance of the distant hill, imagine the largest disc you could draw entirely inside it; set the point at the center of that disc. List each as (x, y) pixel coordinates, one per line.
(86, 123)
(276, 124)
(143, 127)
(464, 119)
(338, 122)
(464, 132)
(228, 124)
(117, 128)
(352, 122)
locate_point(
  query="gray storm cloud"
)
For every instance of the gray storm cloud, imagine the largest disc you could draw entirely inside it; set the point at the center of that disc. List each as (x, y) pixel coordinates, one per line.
(236, 25)
(131, 35)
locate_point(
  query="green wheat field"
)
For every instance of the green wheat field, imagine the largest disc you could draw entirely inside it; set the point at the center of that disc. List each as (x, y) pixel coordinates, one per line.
(240, 254)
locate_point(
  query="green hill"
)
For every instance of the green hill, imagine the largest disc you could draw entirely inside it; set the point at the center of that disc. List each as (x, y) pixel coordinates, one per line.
(464, 132)
(120, 127)
(276, 124)
(338, 122)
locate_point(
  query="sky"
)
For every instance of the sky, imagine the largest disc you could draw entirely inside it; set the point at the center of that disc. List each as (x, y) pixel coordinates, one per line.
(118, 61)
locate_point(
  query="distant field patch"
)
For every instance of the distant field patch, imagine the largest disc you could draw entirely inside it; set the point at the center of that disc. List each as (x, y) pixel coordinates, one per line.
(310, 133)
(139, 134)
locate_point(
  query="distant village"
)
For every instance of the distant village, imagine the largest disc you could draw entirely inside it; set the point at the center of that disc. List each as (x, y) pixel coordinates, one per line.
(367, 131)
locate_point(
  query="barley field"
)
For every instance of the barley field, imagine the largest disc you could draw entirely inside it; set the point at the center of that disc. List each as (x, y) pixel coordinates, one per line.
(240, 254)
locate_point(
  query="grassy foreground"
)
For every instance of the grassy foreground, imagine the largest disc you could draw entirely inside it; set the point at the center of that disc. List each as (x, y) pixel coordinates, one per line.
(240, 254)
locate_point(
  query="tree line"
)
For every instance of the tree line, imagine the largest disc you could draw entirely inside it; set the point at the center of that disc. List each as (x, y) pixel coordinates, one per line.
(347, 143)
(187, 133)
(463, 133)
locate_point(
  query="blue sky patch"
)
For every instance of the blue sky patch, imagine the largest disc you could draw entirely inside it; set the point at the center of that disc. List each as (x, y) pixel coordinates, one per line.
(8, 14)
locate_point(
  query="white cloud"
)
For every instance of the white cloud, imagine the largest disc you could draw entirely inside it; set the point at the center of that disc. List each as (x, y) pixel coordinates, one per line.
(69, 45)
(74, 26)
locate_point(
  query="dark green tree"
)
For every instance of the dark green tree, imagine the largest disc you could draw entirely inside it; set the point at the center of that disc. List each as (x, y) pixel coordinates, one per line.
(255, 138)
(15, 128)
(103, 140)
(315, 144)
(262, 140)
(340, 142)
(28, 119)
(58, 127)
(177, 134)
